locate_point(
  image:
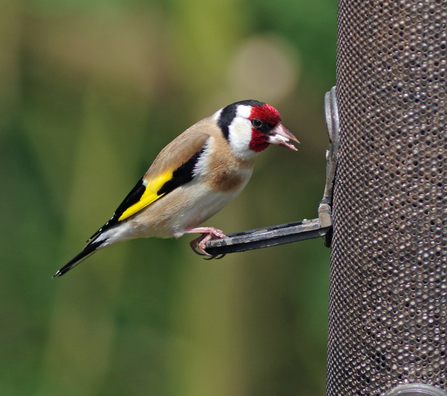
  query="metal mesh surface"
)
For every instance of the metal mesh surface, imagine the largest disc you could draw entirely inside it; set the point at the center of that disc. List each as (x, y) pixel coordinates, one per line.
(388, 297)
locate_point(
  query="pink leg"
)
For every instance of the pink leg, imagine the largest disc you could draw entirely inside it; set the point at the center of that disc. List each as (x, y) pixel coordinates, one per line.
(208, 233)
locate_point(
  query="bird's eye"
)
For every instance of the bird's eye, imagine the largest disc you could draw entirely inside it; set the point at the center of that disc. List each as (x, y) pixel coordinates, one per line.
(257, 123)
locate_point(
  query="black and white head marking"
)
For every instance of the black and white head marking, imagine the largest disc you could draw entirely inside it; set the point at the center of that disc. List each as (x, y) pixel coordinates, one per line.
(236, 126)
(226, 115)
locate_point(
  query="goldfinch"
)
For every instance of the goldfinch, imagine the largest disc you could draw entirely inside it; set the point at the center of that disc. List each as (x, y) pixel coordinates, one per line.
(193, 177)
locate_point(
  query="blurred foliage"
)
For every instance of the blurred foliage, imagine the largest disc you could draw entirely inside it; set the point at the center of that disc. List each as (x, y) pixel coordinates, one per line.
(91, 92)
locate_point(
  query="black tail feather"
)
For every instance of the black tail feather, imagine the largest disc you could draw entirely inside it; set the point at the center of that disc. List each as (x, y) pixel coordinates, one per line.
(86, 252)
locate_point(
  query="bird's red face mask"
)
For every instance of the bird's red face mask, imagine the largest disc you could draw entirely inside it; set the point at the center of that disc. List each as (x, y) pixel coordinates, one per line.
(267, 129)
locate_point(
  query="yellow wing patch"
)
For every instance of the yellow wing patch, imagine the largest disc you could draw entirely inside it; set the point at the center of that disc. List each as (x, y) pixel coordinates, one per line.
(150, 194)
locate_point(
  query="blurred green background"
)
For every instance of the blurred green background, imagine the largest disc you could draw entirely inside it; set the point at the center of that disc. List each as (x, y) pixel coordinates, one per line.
(91, 91)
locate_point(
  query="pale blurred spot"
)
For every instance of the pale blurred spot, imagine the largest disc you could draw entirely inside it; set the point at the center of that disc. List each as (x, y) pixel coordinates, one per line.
(265, 68)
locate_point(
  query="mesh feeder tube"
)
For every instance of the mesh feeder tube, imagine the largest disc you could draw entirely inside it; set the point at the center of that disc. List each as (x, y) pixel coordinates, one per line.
(388, 287)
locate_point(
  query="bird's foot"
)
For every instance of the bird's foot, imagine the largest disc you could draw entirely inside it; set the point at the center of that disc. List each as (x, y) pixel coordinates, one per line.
(198, 245)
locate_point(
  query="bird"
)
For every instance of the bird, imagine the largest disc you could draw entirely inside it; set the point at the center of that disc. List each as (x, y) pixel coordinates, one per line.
(192, 178)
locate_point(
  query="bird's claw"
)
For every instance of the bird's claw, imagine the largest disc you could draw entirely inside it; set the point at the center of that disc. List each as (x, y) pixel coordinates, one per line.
(194, 246)
(198, 245)
(216, 257)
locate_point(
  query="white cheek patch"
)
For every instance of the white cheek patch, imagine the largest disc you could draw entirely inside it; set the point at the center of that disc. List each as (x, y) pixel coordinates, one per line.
(243, 111)
(240, 131)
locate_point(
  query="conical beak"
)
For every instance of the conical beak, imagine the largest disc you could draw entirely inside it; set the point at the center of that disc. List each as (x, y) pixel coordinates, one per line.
(281, 137)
